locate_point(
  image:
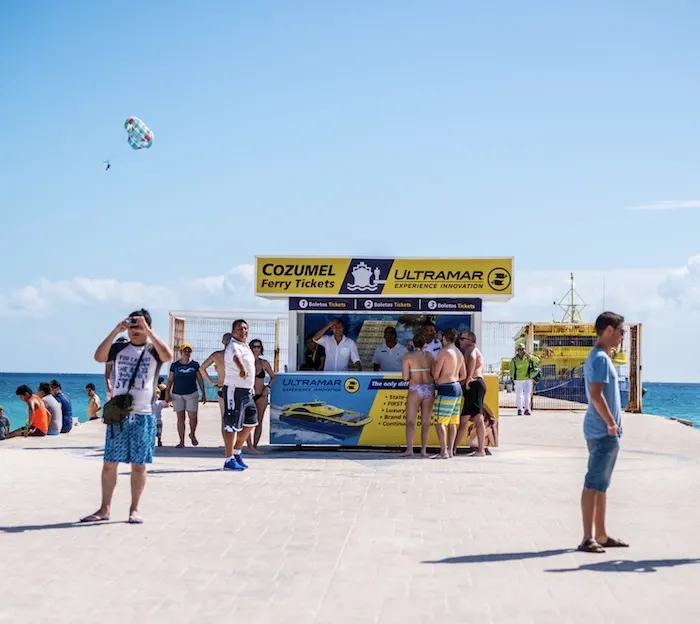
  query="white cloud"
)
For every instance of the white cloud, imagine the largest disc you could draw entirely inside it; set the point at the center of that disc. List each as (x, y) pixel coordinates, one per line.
(664, 300)
(667, 204)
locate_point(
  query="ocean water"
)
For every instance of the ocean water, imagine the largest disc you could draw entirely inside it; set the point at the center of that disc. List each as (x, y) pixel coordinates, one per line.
(73, 387)
(662, 399)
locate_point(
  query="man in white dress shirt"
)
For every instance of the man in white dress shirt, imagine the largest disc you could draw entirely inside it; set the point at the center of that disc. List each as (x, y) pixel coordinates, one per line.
(388, 357)
(432, 344)
(341, 351)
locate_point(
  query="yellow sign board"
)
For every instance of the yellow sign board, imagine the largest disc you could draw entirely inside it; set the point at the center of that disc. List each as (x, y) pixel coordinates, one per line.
(488, 278)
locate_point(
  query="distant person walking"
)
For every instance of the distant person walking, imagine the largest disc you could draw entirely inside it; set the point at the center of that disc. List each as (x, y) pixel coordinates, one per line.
(183, 378)
(602, 428)
(520, 369)
(66, 407)
(133, 441)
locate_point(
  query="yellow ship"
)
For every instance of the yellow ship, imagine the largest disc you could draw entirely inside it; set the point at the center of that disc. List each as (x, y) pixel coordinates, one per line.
(562, 348)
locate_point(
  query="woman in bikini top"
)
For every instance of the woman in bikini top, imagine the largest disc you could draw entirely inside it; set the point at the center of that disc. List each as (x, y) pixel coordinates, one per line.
(261, 394)
(417, 366)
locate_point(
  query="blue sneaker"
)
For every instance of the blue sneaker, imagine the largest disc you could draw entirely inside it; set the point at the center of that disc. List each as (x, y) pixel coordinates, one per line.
(239, 460)
(231, 464)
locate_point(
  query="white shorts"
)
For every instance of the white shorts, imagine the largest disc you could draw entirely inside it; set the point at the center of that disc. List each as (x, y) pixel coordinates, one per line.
(186, 402)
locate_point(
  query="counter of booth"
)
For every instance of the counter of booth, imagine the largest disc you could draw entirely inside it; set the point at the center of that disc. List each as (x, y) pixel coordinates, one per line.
(364, 408)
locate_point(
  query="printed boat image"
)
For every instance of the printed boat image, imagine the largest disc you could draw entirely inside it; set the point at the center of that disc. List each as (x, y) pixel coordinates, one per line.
(321, 417)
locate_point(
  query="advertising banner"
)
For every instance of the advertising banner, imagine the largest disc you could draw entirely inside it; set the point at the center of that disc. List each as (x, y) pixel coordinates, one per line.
(354, 410)
(490, 278)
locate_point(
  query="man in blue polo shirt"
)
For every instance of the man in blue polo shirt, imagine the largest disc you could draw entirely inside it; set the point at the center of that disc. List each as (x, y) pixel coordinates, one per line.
(66, 407)
(602, 428)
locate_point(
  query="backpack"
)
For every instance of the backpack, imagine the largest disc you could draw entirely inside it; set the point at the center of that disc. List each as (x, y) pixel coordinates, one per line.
(533, 372)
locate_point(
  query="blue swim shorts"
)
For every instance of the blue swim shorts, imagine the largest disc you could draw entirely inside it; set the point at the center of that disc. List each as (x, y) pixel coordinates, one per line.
(601, 461)
(134, 443)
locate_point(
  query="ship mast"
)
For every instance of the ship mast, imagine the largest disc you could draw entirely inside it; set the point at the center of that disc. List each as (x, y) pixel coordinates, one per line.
(572, 309)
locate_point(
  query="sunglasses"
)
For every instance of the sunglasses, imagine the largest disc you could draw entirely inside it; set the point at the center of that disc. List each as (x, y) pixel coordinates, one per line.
(256, 346)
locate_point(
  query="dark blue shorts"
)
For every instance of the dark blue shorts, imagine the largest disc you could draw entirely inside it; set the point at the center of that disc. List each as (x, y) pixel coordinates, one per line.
(602, 455)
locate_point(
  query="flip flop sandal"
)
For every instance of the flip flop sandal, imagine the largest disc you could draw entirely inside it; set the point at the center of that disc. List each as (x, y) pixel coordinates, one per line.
(591, 546)
(615, 543)
(94, 518)
(135, 520)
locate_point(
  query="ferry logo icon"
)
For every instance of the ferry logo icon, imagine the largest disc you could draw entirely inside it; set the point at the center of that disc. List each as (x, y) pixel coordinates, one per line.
(499, 279)
(365, 278)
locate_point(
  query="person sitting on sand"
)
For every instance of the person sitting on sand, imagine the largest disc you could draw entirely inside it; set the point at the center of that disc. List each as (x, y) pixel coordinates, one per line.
(37, 415)
(4, 424)
(54, 407)
(94, 406)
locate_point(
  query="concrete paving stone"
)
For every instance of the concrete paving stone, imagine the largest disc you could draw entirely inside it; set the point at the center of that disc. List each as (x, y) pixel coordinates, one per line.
(355, 537)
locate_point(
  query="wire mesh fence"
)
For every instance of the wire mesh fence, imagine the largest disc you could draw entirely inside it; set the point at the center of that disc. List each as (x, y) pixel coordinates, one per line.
(204, 330)
(560, 350)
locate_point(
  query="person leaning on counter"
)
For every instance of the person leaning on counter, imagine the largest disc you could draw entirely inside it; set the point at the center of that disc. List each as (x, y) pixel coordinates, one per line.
(341, 351)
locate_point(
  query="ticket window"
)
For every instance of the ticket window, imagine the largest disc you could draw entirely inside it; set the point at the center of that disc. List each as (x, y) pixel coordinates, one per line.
(367, 330)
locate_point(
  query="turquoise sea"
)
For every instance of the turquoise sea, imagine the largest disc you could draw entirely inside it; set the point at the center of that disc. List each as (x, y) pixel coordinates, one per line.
(73, 387)
(663, 399)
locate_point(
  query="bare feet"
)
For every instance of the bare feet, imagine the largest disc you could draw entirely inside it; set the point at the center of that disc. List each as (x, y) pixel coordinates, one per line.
(181, 445)
(424, 454)
(195, 442)
(477, 454)
(406, 453)
(254, 450)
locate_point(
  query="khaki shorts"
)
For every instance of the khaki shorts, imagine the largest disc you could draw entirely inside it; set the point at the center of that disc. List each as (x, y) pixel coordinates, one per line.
(186, 402)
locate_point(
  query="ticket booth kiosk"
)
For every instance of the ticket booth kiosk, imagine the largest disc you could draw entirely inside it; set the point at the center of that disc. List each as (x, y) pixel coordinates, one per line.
(362, 406)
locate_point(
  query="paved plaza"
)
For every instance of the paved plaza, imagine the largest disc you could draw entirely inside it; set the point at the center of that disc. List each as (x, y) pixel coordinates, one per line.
(328, 537)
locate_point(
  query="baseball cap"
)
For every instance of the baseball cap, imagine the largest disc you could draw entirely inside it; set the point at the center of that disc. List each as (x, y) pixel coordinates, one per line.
(520, 346)
(186, 345)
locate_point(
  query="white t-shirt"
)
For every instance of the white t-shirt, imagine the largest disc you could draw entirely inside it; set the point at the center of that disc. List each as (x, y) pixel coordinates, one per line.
(125, 355)
(232, 376)
(389, 359)
(433, 347)
(338, 356)
(158, 410)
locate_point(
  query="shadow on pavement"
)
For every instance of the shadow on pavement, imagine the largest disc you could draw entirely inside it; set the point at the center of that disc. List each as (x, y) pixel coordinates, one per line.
(495, 557)
(98, 447)
(624, 565)
(57, 525)
(160, 471)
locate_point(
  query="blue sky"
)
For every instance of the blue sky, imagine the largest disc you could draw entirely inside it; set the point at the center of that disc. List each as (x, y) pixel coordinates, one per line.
(456, 128)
